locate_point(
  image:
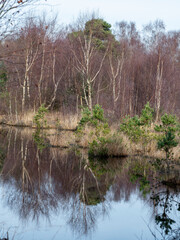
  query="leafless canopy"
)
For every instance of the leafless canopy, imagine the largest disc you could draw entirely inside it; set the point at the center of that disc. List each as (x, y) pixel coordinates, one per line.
(8, 10)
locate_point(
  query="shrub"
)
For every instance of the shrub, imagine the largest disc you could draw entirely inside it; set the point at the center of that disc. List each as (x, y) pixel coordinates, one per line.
(95, 119)
(100, 128)
(3, 77)
(39, 119)
(97, 148)
(168, 122)
(146, 115)
(136, 128)
(131, 127)
(169, 129)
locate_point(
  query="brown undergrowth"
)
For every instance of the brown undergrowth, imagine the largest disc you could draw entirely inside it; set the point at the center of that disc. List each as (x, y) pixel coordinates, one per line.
(118, 143)
(53, 120)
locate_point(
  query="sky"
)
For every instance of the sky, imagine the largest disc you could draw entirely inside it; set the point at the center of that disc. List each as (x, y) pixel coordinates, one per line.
(141, 12)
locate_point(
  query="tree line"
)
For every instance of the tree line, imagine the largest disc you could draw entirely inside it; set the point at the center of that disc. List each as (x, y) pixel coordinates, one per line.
(88, 63)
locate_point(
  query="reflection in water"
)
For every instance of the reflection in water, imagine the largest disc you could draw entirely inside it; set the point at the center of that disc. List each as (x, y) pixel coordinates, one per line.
(41, 181)
(163, 196)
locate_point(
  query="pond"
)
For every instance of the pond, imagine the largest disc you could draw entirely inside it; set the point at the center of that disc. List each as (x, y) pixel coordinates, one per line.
(53, 192)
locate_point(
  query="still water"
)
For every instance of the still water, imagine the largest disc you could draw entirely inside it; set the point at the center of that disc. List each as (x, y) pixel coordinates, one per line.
(49, 192)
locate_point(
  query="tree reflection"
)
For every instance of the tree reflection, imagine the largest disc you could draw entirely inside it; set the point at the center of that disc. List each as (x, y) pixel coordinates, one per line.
(41, 181)
(166, 202)
(164, 196)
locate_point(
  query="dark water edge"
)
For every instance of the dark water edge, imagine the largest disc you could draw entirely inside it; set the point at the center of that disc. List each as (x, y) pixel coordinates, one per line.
(54, 193)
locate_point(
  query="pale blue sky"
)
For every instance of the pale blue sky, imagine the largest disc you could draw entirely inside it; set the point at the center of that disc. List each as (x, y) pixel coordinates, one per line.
(139, 11)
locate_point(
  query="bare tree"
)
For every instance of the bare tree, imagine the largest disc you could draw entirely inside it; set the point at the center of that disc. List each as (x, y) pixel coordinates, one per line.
(155, 42)
(116, 58)
(9, 9)
(85, 49)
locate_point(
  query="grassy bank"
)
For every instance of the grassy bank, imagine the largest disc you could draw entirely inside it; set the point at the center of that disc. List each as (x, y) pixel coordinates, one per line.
(118, 143)
(55, 120)
(138, 135)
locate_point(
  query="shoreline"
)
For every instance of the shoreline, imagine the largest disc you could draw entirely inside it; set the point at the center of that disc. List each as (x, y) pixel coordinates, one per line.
(66, 139)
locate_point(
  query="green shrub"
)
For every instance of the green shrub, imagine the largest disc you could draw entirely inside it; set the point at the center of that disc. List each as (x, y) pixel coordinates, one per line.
(169, 129)
(100, 128)
(95, 119)
(136, 128)
(146, 117)
(3, 77)
(97, 148)
(39, 118)
(132, 128)
(168, 122)
(3, 81)
(168, 141)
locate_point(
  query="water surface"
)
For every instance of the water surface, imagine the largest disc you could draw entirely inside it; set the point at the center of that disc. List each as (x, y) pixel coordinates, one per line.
(49, 192)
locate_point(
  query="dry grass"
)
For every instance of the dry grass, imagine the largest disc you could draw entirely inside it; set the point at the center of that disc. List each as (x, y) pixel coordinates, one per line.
(54, 120)
(63, 139)
(25, 119)
(150, 149)
(87, 137)
(120, 144)
(61, 121)
(117, 146)
(2, 118)
(176, 152)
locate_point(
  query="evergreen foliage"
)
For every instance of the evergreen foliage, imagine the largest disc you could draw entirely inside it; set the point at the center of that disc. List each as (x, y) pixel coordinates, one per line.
(168, 130)
(95, 119)
(100, 128)
(136, 128)
(39, 118)
(99, 28)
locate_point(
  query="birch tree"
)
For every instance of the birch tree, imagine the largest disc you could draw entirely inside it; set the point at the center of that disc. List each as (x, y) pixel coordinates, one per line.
(89, 48)
(155, 42)
(116, 59)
